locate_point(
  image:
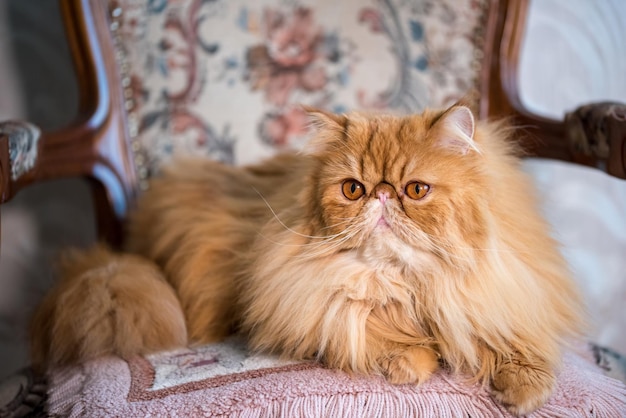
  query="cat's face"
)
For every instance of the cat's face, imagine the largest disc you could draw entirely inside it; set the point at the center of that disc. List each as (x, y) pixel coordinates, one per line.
(407, 188)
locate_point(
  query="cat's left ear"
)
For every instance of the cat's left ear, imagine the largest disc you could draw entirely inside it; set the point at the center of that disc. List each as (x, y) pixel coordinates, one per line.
(455, 130)
(327, 128)
(323, 119)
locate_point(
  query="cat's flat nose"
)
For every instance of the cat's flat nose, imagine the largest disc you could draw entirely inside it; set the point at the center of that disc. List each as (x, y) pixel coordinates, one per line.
(383, 191)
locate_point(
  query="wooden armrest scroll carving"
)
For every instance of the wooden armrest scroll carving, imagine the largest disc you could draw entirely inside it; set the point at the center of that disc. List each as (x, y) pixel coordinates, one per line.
(19, 149)
(597, 136)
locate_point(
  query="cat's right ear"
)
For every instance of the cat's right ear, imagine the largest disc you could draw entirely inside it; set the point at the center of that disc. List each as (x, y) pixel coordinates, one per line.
(455, 130)
(326, 129)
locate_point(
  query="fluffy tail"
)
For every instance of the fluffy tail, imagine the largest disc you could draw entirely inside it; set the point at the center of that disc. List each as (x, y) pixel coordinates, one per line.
(105, 303)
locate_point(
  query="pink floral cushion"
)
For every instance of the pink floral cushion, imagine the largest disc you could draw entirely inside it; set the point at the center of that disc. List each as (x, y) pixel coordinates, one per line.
(224, 78)
(226, 380)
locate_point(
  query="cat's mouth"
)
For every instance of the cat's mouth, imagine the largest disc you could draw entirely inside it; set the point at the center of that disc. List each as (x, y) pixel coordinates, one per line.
(382, 222)
(384, 226)
(382, 219)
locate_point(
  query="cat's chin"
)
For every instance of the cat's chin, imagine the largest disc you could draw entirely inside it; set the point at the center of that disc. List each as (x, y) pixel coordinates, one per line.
(384, 239)
(385, 247)
(382, 224)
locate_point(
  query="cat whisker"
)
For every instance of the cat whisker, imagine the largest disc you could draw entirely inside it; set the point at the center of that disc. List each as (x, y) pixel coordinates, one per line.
(282, 244)
(503, 250)
(308, 244)
(344, 235)
(282, 223)
(328, 247)
(435, 246)
(442, 252)
(346, 221)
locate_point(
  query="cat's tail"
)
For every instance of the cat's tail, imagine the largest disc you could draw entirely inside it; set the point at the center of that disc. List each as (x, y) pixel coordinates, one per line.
(105, 303)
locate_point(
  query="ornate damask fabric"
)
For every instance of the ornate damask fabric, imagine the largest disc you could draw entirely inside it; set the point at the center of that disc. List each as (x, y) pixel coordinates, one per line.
(225, 78)
(226, 380)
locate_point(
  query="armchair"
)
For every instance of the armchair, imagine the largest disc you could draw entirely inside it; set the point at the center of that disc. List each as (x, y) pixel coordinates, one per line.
(222, 79)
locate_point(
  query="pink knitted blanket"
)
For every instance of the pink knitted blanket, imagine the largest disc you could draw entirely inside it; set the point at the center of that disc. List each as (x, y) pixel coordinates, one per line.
(225, 380)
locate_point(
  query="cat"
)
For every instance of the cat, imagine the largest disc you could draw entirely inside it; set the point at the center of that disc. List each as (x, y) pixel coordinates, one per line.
(391, 245)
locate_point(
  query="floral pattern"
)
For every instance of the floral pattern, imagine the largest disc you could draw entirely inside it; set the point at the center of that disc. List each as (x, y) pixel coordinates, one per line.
(225, 78)
(287, 58)
(185, 365)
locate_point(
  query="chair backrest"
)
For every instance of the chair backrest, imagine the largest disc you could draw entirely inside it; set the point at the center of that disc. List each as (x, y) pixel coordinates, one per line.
(222, 79)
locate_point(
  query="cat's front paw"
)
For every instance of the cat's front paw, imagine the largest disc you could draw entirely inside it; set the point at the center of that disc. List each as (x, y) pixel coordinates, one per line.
(522, 387)
(414, 364)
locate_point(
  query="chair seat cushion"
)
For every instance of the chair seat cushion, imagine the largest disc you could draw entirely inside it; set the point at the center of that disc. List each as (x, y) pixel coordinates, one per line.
(226, 380)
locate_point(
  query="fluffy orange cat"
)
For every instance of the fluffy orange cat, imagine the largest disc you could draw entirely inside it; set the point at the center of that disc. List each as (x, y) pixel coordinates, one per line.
(389, 246)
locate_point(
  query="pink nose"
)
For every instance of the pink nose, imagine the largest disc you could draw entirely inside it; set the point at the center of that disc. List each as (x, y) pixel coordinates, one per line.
(384, 191)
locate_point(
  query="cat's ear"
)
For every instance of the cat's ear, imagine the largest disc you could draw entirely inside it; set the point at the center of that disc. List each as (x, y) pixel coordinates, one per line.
(455, 130)
(323, 119)
(327, 128)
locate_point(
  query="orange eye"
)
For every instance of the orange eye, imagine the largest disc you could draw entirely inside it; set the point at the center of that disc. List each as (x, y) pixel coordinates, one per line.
(352, 189)
(417, 190)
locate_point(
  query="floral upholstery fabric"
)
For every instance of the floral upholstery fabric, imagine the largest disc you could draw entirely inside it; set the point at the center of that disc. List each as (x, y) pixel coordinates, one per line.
(224, 78)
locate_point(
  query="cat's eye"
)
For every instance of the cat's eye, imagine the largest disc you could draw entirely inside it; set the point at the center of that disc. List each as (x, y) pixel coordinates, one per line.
(352, 189)
(417, 190)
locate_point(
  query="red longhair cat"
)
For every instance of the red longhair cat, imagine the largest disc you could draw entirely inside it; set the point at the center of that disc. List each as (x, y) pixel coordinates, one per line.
(389, 245)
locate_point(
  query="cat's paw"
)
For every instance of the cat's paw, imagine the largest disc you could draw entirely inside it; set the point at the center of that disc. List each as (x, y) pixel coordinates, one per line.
(414, 364)
(522, 387)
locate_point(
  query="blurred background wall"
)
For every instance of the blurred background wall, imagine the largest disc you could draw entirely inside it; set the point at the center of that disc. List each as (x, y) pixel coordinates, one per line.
(36, 84)
(575, 52)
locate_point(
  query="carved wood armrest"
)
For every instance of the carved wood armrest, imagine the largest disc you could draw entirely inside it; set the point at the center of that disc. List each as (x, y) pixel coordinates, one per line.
(597, 136)
(19, 150)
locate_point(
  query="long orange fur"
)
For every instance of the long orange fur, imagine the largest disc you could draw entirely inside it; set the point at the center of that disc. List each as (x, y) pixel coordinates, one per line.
(467, 275)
